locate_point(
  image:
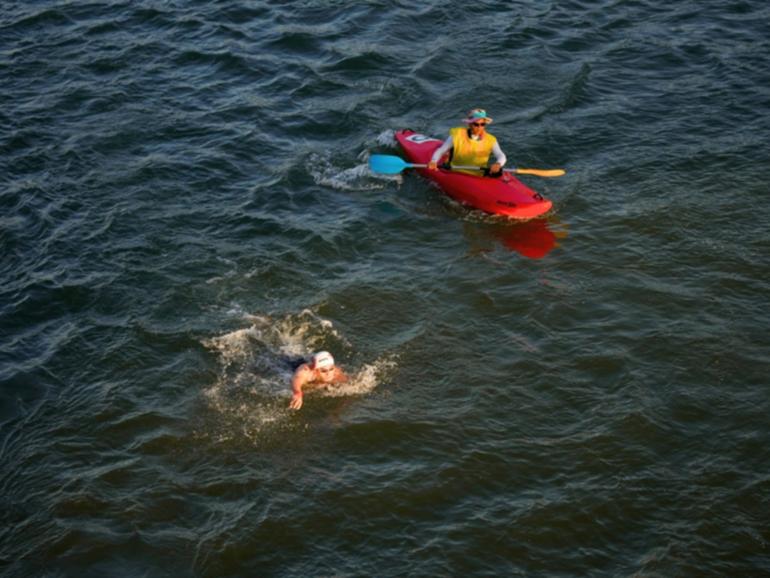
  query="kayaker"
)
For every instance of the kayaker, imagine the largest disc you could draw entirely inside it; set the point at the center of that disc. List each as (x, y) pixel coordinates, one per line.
(319, 372)
(471, 146)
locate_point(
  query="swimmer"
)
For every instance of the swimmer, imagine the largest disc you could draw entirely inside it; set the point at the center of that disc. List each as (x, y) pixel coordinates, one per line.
(319, 372)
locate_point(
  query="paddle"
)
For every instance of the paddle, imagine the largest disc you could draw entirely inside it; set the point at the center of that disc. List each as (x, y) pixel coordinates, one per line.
(391, 165)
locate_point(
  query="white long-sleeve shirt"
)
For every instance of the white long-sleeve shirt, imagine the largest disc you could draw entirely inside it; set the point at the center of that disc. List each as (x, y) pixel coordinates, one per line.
(448, 143)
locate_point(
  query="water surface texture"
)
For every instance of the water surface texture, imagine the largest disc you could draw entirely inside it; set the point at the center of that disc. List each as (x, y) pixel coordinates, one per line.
(185, 205)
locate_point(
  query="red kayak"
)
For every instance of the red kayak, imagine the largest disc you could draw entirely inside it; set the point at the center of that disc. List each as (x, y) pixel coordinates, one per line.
(506, 195)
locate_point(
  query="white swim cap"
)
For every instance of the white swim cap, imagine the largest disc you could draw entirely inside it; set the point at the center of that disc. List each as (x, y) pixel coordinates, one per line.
(322, 360)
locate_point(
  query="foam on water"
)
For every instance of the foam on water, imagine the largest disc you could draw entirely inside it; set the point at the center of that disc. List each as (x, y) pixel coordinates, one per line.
(387, 138)
(362, 381)
(255, 366)
(356, 178)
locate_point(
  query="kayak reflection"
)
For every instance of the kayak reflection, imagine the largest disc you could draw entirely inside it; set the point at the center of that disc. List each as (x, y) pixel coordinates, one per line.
(532, 239)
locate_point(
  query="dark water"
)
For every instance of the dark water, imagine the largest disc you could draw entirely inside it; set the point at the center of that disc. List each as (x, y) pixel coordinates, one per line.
(184, 202)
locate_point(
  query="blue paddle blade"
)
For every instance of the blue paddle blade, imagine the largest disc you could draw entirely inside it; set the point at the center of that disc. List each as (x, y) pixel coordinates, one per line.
(387, 164)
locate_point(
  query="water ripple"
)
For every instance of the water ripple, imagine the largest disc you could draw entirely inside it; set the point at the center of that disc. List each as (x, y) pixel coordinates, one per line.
(185, 204)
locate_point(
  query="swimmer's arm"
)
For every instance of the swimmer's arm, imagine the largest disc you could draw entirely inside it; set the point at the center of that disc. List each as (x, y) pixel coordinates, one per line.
(300, 379)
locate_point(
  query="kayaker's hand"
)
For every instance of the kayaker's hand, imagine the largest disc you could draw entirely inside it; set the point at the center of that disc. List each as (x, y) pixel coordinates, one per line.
(495, 168)
(432, 166)
(296, 401)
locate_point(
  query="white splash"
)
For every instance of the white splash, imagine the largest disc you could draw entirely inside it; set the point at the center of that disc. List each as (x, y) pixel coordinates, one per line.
(363, 381)
(356, 178)
(252, 388)
(387, 138)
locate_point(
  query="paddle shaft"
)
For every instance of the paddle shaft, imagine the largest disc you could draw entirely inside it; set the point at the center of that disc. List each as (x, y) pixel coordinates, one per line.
(539, 172)
(393, 165)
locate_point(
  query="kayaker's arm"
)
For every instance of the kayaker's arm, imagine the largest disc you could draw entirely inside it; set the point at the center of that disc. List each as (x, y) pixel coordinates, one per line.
(440, 152)
(500, 157)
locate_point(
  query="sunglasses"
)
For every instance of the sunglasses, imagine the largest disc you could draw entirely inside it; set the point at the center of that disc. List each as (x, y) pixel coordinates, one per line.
(478, 124)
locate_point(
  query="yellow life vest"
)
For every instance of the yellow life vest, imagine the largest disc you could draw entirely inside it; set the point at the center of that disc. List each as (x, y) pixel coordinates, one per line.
(470, 152)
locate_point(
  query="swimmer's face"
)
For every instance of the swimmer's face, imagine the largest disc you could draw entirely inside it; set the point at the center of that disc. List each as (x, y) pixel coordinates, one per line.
(326, 374)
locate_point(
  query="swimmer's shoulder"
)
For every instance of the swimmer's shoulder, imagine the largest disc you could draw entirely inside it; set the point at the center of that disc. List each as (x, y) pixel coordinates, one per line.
(303, 369)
